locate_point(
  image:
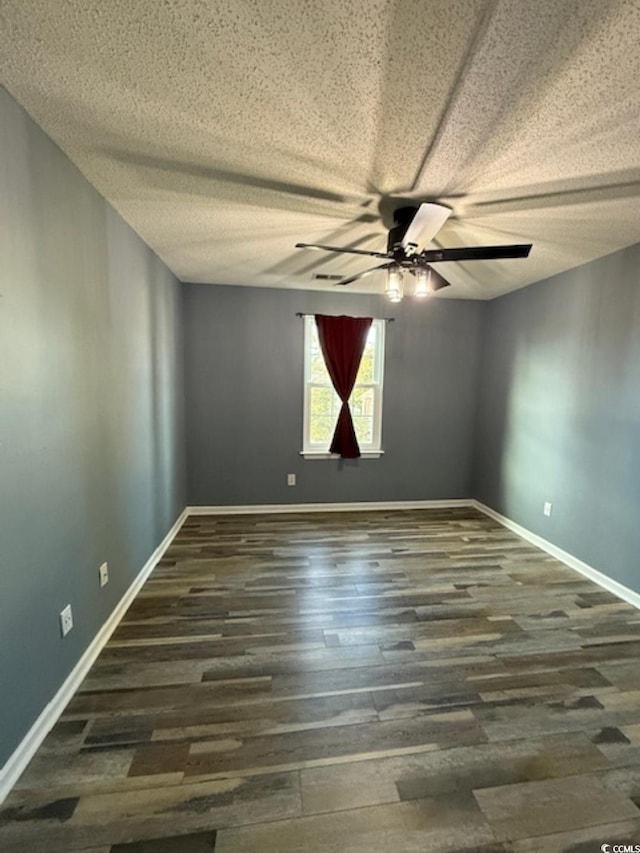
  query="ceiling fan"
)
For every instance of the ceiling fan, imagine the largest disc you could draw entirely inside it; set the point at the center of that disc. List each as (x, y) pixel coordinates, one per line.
(415, 226)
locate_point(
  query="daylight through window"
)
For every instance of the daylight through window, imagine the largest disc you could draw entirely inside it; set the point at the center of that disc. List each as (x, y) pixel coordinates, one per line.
(322, 404)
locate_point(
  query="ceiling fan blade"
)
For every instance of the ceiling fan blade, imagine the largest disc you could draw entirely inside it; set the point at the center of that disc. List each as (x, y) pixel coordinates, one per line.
(353, 278)
(428, 220)
(338, 249)
(476, 253)
(437, 282)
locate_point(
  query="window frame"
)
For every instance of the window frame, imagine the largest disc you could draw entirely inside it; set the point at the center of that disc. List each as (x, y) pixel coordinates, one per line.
(370, 450)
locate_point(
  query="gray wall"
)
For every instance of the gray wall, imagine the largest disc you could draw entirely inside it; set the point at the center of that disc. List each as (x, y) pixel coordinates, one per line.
(559, 412)
(243, 380)
(91, 411)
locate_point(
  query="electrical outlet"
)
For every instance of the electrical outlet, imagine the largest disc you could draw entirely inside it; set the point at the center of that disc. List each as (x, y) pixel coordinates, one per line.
(291, 479)
(547, 508)
(103, 573)
(66, 620)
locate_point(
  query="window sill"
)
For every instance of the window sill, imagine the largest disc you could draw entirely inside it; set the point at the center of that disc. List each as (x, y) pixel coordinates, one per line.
(323, 454)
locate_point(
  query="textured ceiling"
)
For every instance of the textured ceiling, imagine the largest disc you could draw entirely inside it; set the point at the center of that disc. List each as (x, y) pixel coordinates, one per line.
(224, 131)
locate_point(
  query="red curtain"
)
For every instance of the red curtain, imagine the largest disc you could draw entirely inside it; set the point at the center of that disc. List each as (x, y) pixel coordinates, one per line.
(343, 340)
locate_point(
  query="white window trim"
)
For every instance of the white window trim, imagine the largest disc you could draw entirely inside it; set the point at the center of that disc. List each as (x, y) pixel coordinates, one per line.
(369, 451)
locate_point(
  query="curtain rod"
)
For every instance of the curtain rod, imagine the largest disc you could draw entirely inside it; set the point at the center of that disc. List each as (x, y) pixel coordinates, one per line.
(385, 319)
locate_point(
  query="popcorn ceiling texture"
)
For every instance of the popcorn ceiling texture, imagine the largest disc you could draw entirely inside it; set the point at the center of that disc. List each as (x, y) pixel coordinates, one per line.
(224, 131)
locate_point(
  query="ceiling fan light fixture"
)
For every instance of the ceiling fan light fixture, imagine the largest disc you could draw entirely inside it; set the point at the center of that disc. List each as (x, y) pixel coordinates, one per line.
(394, 286)
(413, 226)
(424, 285)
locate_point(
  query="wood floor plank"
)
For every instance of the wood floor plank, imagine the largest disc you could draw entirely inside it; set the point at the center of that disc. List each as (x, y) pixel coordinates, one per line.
(415, 679)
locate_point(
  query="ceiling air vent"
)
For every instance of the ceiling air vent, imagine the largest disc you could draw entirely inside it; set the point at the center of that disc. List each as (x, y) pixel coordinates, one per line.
(321, 276)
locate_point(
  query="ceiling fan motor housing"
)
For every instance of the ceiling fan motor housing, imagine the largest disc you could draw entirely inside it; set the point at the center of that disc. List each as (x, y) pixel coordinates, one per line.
(402, 218)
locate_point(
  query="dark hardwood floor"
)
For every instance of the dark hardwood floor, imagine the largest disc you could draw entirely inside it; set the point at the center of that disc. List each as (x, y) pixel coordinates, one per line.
(398, 681)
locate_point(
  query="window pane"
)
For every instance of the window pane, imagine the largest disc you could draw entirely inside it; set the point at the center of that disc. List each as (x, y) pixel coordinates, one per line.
(324, 408)
(366, 371)
(317, 366)
(362, 401)
(321, 430)
(364, 429)
(319, 371)
(324, 401)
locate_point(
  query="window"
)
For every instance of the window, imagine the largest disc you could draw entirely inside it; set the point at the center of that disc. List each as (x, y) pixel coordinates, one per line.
(322, 404)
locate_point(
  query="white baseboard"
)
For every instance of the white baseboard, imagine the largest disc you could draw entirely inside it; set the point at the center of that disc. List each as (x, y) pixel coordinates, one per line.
(565, 557)
(17, 762)
(359, 506)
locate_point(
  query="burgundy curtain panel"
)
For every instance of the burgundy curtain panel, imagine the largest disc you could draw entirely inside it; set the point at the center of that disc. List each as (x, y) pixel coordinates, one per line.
(342, 340)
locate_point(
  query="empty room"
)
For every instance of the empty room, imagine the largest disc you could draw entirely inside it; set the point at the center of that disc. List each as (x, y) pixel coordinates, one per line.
(319, 426)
